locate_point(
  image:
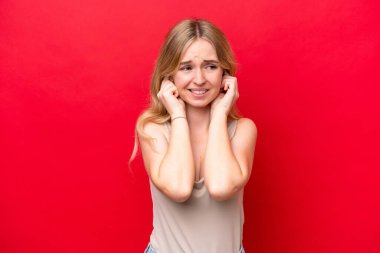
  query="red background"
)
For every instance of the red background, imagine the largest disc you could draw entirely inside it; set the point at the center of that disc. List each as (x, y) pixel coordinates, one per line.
(74, 75)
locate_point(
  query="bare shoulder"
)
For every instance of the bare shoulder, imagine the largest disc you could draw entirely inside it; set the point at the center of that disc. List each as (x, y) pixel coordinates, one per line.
(246, 127)
(154, 147)
(245, 136)
(244, 144)
(154, 130)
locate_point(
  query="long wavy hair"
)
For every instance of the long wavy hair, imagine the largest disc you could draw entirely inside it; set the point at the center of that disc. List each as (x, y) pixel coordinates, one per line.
(167, 63)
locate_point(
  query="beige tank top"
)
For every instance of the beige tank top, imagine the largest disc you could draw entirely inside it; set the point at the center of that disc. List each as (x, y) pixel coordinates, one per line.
(200, 224)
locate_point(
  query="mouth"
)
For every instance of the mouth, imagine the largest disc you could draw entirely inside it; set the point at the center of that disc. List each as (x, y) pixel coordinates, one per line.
(198, 92)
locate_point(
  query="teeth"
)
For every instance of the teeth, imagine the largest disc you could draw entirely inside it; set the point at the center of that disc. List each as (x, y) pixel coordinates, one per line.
(199, 92)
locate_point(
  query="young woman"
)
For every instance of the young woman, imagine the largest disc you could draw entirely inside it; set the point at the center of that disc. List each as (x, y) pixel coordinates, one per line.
(197, 151)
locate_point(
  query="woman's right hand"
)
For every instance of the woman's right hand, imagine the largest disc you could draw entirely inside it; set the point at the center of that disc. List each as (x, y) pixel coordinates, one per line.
(169, 97)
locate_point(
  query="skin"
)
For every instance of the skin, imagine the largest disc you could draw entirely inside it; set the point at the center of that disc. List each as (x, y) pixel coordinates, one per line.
(199, 128)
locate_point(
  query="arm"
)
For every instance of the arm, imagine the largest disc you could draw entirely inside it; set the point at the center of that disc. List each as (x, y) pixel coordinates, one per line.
(170, 166)
(228, 164)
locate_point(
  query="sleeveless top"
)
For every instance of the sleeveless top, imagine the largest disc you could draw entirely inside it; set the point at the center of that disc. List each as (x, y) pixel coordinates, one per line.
(200, 224)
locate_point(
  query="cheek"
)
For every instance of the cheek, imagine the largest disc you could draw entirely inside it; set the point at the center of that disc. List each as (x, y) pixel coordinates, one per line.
(218, 80)
(221, 83)
(181, 80)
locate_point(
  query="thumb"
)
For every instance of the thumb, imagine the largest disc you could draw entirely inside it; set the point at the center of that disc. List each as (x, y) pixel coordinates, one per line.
(181, 101)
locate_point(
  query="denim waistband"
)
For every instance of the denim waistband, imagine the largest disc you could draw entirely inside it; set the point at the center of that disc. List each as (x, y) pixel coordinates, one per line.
(149, 249)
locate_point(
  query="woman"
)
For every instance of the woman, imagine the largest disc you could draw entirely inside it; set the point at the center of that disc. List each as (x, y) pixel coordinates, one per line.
(197, 151)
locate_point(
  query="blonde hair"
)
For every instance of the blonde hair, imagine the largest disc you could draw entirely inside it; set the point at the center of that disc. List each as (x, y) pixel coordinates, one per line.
(180, 36)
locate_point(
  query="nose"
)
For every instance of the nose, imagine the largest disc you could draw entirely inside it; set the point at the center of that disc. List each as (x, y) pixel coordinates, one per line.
(199, 78)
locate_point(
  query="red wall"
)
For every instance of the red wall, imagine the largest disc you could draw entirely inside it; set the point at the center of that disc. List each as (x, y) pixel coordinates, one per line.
(74, 75)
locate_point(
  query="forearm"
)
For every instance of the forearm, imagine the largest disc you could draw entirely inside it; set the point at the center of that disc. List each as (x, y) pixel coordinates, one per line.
(177, 170)
(222, 171)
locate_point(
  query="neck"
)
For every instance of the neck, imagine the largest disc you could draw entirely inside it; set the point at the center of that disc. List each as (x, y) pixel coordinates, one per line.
(198, 118)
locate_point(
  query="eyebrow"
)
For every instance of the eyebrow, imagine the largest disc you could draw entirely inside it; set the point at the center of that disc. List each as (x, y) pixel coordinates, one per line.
(205, 61)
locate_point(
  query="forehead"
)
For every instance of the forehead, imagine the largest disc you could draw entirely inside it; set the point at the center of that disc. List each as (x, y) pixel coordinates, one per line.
(200, 48)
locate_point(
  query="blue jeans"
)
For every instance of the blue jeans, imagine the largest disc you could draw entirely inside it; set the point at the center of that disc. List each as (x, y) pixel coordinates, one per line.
(149, 249)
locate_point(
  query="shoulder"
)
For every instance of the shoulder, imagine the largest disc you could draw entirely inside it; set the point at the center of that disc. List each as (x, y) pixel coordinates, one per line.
(246, 127)
(153, 143)
(154, 134)
(154, 130)
(245, 135)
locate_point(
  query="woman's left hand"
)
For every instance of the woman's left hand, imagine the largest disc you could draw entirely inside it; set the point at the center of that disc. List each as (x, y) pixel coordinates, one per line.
(225, 101)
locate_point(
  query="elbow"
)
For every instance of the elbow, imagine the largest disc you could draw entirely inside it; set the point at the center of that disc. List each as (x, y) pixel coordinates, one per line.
(221, 193)
(180, 196)
(178, 192)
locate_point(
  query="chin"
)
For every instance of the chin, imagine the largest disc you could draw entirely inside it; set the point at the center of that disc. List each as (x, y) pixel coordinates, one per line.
(198, 105)
(199, 102)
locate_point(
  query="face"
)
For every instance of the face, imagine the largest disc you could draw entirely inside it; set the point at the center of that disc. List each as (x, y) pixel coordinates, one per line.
(199, 75)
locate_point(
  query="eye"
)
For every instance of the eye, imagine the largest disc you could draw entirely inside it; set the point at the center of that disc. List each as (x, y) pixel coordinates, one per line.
(211, 66)
(186, 68)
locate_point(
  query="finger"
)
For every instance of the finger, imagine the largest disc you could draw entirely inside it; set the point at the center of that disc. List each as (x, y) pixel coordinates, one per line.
(163, 85)
(168, 86)
(172, 90)
(225, 78)
(236, 83)
(224, 82)
(176, 94)
(232, 83)
(169, 79)
(166, 81)
(227, 84)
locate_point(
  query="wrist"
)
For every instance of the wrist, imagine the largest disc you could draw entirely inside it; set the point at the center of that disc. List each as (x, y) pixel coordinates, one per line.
(219, 117)
(177, 117)
(177, 113)
(219, 114)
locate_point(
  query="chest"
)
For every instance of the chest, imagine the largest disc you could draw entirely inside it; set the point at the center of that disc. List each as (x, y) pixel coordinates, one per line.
(198, 146)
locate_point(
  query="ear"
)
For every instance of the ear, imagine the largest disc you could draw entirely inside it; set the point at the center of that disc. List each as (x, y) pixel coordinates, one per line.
(221, 83)
(226, 71)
